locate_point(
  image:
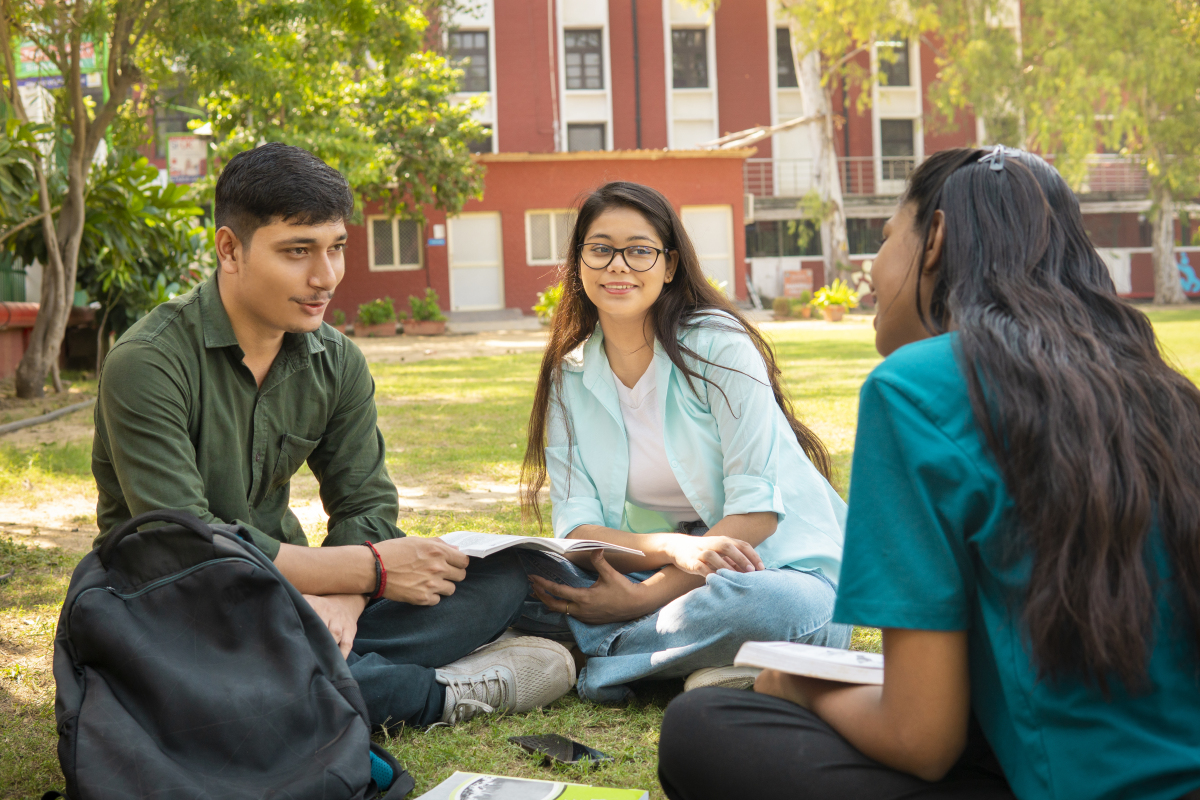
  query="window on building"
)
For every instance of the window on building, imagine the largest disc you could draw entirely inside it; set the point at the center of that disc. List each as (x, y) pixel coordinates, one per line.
(893, 66)
(789, 237)
(584, 59)
(897, 146)
(469, 52)
(865, 236)
(785, 63)
(483, 145)
(582, 137)
(689, 58)
(547, 236)
(395, 243)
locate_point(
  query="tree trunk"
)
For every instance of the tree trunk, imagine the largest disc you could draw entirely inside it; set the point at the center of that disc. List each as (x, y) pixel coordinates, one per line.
(1168, 288)
(826, 175)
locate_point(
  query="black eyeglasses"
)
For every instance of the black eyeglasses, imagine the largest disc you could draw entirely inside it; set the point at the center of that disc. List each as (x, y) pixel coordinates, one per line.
(638, 257)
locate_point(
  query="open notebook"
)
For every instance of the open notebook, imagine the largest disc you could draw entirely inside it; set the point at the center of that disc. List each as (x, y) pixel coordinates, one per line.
(473, 786)
(482, 545)
(828, 663)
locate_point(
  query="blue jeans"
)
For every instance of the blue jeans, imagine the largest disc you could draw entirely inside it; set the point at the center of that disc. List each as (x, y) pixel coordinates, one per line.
(398, 646)
(703, 628)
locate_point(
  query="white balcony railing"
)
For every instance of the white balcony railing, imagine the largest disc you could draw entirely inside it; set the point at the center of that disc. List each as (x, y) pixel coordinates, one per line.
(863, 175)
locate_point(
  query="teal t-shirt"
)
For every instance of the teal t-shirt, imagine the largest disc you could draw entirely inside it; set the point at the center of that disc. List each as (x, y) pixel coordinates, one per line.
(930, 522)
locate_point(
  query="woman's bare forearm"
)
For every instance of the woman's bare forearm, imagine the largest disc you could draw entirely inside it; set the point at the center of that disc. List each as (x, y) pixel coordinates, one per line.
(655, 547)
(751, 528)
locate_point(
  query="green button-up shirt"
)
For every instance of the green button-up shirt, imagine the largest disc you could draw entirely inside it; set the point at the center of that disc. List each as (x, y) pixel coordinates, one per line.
(181, 423)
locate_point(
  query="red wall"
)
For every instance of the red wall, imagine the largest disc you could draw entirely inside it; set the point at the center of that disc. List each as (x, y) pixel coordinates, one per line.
(743, 69)
(941, 134)
(524, 74)
(561, 182)
(651, 63)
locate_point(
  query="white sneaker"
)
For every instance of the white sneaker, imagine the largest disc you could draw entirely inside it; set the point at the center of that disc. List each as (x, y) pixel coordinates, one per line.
(725, 677)
(508, 676)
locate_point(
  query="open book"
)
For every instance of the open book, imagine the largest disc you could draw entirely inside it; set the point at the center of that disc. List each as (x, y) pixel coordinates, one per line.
(473, 786)
(481, 545)
(829, 663)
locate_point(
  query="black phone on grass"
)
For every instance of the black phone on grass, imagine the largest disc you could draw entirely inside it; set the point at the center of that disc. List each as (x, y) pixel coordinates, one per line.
(559, 748)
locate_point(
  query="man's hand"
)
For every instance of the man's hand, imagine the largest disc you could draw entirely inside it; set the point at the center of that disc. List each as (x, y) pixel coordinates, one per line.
(704, 555)
(421, 571)
(340, 614)
(612, 598)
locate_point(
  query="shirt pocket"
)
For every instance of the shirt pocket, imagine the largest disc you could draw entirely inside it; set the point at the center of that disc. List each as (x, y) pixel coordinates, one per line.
(293, 452)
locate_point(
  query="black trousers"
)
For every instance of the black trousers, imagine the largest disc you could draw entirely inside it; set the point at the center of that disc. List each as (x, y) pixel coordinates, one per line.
(727, 743)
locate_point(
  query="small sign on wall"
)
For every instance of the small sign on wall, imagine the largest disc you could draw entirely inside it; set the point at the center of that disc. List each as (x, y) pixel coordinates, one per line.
(186, 157)
(797, 281)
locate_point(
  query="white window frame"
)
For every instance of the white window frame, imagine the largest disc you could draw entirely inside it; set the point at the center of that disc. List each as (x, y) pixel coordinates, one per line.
(393, 267)
(555, 245)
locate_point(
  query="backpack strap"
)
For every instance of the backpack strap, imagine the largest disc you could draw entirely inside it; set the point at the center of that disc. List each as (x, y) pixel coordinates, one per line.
(184, 519)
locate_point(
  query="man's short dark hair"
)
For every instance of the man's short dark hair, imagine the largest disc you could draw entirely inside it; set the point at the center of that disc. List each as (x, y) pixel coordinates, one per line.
(279, 182)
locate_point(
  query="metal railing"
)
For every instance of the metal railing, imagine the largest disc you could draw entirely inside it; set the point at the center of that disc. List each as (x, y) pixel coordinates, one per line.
(864, 175)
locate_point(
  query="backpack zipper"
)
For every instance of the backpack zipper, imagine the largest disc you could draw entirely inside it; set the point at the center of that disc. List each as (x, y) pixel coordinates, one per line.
(162, 581)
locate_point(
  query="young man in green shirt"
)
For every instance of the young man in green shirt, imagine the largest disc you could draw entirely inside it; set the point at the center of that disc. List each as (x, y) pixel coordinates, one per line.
(214, 400)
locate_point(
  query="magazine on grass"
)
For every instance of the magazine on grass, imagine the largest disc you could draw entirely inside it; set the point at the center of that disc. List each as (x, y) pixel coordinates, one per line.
(482, 545)
(829, 663)
(473, 786)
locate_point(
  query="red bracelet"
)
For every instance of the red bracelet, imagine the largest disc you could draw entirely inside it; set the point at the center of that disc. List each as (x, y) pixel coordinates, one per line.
(380, 573)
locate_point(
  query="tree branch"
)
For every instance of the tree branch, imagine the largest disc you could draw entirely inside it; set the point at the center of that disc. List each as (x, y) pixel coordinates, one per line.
(27, 223)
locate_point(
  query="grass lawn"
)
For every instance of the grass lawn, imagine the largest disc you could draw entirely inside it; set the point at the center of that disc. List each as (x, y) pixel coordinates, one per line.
(450, 425)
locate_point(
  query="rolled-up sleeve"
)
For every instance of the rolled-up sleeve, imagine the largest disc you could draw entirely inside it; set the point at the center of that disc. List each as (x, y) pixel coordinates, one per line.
(743, 405)
(573, 493)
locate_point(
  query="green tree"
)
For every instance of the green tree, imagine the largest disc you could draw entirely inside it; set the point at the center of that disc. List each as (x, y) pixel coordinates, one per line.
(830, 39)
(311, 74)
(1071, 77)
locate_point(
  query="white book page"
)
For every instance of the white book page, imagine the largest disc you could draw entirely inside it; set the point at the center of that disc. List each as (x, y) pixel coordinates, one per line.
(480, 545)
(829, 663)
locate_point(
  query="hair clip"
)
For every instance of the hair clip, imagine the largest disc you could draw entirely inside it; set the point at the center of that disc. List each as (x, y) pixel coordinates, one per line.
(996, 157)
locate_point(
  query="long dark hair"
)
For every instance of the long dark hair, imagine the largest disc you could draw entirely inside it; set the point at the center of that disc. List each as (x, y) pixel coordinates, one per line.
(1097, 437)
(688, 300)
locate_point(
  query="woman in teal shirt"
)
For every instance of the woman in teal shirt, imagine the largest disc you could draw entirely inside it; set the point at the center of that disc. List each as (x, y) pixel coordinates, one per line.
(659, 414)
(1024, 525)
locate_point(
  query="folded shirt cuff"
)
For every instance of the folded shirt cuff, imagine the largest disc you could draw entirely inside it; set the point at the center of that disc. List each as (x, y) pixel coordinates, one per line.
(748, 494)
(575, 511)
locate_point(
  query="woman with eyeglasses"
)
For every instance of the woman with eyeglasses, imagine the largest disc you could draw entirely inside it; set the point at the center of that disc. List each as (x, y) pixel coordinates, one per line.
(661, 425)
(1024, 526)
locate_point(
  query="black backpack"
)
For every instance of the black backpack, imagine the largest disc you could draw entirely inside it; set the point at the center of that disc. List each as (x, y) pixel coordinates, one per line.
(188, 667)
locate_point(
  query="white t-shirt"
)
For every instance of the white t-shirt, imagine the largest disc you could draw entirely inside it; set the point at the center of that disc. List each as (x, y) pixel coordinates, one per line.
(652, 484)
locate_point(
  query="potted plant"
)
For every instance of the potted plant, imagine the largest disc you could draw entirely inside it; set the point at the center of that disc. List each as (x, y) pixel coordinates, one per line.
(427, 317)
(548, 302)
(377, 318)
(802, 305)
(834, 300)
(339, 320)
(782, 307)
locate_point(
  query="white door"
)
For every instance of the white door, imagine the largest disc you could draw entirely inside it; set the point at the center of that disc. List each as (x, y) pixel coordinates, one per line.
(476, 264)
(711, 230)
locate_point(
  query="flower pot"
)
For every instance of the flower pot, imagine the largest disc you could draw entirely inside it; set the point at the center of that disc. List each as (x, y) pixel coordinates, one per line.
(382, 329)
(424, 327)
(806, 312)
(340, 328)
(833, 313)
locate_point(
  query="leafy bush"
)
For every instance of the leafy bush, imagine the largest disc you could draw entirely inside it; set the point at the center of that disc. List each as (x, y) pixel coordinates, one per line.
(838, 293)
(782, 306)
(720, 286)
(427, 309)
(339, 317)
(377, 312)
(548, 302)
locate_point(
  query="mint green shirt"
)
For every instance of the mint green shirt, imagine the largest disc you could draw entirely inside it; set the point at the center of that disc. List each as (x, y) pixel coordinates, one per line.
(930, 545)
(732, 453)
